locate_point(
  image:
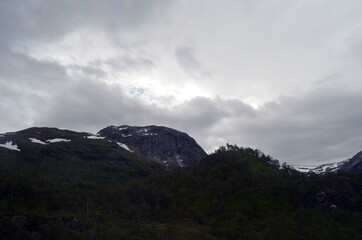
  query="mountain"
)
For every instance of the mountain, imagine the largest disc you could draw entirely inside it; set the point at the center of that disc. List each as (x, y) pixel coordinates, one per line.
(72, 156)
(165, 146)
(324, 168)
(353, 164)
(128, 145)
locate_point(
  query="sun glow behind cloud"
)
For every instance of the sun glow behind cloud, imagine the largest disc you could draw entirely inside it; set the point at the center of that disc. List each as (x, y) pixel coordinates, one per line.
(90, 54)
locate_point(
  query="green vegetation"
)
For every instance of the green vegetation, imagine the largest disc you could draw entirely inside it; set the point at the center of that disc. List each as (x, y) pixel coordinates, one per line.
(80, 160)
(232, 194)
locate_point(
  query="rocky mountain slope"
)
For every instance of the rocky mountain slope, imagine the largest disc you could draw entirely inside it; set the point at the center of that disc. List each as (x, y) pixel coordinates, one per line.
(166, 146)
(353, 165)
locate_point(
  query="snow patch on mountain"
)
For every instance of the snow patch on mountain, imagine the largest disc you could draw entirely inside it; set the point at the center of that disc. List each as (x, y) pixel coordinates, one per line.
(150, 134)
(94, 137)
(124, 146)
(34, 140)
(143, 130)
(11, 146)
(328, 167)
(304, 168)
(179, 161)
(56, 140)
(129, 135)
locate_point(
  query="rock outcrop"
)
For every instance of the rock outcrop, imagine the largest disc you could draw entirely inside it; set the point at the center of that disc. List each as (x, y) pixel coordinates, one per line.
(166, 146)
(353, 165)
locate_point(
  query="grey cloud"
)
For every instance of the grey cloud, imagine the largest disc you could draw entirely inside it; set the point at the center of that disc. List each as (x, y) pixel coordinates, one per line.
(24, 82)
(334, 78)
(321, 126)
(89, 105)
(50, 20)
(129, 63)
(21, 69)
(318, 127)
(185, 57)
(18, 108)
(124, 64)
(90, 71)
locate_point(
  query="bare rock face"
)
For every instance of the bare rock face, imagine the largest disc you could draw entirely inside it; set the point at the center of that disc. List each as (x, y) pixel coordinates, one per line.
(354, 164)
(166, 146)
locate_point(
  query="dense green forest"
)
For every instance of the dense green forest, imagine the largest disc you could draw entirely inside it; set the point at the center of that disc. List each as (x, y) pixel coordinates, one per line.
(235, 193)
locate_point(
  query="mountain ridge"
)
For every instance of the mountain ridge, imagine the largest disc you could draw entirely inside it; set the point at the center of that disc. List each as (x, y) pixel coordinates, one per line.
(165, 146)
(73, 155)
(353, 164)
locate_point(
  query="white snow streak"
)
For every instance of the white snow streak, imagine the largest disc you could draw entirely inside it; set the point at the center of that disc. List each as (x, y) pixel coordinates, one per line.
(123, 135)
(94, 137)
(124, 146)
(143, 130)
(150, 134)
(11, 146)
(179, 161)
(34, 140)
(56, 140)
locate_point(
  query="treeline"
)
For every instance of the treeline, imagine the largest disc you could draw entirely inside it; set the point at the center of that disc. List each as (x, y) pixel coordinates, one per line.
(231, 194)
(251, 152)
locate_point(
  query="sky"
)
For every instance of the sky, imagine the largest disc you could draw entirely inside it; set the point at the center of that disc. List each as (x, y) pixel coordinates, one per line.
(278, 75)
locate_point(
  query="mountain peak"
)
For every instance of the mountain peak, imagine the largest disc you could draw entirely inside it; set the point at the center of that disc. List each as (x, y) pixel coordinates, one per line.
(166, 146)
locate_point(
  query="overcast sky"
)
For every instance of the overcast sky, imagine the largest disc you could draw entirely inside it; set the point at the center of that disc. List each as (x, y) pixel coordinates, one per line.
(278, 75)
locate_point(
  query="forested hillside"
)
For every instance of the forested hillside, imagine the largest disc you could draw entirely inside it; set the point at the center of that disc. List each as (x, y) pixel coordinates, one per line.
(228, 195)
